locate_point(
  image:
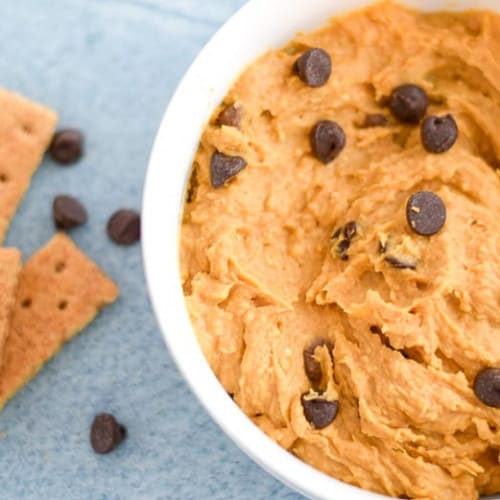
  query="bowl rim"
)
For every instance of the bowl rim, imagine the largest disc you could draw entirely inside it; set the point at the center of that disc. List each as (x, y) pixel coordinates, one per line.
(163, 199)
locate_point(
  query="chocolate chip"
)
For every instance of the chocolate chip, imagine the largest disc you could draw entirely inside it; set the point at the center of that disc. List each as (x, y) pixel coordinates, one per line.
(311, 366)
(327, 140)
(398, 263)
(106, 433)
(343, 246)
(375, 120)
(318, 411)
(223, 168)
(350, 230)
(314, 67)
(439, 133)
(66, 146)
(382, 247)
(487, 387)
(409, 103)
(124, 227)
(425, 213)
(230, 117)
(68, 212)
(342, 238)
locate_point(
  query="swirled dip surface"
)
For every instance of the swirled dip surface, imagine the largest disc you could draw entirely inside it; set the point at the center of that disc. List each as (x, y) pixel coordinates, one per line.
(350, 315)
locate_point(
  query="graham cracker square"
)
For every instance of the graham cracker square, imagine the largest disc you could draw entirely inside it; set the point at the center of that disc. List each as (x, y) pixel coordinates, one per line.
(60, 292)
(26, 130)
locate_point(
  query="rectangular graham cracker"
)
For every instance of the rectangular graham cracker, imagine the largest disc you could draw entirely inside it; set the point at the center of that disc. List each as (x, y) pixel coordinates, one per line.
(60, 291)
(10, 267)
(26, 129)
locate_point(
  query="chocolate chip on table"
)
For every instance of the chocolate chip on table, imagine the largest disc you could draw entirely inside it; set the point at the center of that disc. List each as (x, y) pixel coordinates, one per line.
(327, 140)
(66, 146)
(319, 412)
(314, 67)
(400, 263)
(106, 433)
(439, 133)
(425, 213)
(311, 366)
(124, 227)
(487, 387)
(230, 116)
(223, 168)
(375, 120)
(68, 212)
(408, 103)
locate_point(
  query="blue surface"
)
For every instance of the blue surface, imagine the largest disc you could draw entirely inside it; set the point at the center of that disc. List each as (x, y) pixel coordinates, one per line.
(109, 68)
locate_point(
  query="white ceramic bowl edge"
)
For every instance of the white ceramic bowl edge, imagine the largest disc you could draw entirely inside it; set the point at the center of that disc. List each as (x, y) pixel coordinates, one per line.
(243, 38)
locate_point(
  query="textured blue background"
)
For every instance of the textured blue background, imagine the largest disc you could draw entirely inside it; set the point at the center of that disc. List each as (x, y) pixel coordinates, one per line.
(109, 68)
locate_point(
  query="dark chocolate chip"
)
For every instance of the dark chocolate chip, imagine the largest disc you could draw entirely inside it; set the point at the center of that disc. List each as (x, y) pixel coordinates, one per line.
(382, 247)
(408, 103)
(375, 120)
(487, 387)
(318, 411)
(230, 117)
(68, 212)
(66, 146)
(350, 230)
(344, 236)
(223, 168)
(398, 263)
(106, 433)
(425, 213)
(311, 366)
(439, 133)
(124, 227)
(343, 246)
(314, 67)
(327, 140)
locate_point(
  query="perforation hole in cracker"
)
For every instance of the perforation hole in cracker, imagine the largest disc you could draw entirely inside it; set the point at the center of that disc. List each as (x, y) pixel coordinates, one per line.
(27, 128)
(3, 178)
(63, 304)
(60, 267)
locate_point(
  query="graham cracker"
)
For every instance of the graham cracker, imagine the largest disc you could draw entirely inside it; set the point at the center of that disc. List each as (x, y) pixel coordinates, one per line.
(26, 129)
(10, 267)
(60, 292)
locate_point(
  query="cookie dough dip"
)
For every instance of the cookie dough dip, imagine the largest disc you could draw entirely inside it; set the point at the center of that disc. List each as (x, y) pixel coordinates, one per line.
(340, 249)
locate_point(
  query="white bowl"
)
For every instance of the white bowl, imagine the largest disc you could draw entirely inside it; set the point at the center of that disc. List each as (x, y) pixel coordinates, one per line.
(255, 28)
